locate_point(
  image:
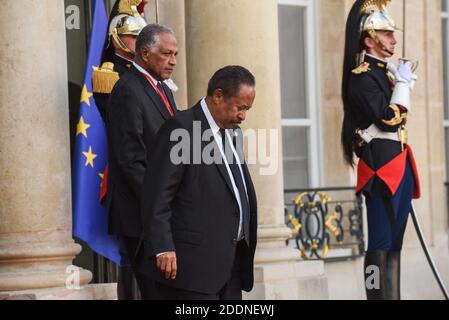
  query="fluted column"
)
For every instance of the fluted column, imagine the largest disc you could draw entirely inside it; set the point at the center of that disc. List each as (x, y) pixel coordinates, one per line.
(245, 32)
(36, 246)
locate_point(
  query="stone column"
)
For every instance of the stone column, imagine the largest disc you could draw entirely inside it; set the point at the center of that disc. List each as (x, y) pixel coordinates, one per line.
(36, 246)
(245, 32)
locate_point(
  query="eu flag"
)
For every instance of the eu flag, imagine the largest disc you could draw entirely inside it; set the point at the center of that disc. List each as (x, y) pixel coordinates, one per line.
(89, 216)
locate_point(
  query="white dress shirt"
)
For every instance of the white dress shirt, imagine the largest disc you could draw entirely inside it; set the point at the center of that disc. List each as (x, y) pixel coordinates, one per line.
(217, 136)
(169, 82)
(142, 70)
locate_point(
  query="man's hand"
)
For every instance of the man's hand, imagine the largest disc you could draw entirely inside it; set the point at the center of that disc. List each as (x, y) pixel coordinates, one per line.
(166, 263)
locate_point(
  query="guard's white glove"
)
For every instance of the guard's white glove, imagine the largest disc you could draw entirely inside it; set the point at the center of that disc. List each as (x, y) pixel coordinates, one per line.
(405, 82)
(404, 73)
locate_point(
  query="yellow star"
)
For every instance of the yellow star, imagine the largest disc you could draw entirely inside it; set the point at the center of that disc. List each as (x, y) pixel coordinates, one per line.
(82, 127)
(101, 175)
(86, 95)
(90, 157)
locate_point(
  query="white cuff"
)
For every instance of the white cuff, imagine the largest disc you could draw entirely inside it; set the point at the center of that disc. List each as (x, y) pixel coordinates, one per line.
(401, 95)
(160, 254)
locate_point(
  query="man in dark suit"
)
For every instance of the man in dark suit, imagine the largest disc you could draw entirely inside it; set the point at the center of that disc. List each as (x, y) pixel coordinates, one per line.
(117, 58)
(139, 104)
(200, 216)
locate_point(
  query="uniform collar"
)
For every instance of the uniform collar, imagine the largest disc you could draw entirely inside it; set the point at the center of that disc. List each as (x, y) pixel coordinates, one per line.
(376, 62)
(126, 59)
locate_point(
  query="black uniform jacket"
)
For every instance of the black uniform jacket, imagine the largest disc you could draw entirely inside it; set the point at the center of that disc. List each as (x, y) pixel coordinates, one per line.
(382, 162)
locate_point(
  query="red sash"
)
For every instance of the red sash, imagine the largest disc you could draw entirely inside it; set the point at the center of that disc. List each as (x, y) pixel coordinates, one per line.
(391, 173)
(104, 184)
(161, 94)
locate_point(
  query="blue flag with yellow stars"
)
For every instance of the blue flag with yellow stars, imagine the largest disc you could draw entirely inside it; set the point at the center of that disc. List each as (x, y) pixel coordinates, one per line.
(90, 159)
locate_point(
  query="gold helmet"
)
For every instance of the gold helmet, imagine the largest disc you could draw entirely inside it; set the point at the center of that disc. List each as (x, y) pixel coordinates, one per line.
(127, 22)
(376, 18)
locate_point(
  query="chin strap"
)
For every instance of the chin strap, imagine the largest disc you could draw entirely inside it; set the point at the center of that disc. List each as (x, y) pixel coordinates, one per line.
(373, 35)
(120, 43)
(382, 47)
(387, 51)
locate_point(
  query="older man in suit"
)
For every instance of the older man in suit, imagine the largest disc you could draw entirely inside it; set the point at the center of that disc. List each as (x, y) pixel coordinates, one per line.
(139, 104)
(200, 216)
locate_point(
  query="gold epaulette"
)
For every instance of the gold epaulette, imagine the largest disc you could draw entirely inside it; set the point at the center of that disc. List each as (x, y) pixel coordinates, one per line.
(364, 67)
(104, 78)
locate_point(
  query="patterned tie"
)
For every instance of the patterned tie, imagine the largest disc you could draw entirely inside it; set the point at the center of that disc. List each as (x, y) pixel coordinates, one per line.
(238, 179)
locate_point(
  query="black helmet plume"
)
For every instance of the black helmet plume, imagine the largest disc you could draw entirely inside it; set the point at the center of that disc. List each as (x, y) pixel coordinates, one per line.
(353, 46)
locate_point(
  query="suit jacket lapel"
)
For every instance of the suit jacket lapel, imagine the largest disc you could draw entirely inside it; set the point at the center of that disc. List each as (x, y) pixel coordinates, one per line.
(199, 115)
(249, 188)
(152, 94)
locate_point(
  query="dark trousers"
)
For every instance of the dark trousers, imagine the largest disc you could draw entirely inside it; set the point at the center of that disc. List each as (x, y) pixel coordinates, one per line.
(127, 288)
(146, 285)
(387, 217)
(232, 290)
(387, 220)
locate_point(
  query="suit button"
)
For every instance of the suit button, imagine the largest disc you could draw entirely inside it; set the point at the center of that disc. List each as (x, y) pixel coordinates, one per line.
(234, 242)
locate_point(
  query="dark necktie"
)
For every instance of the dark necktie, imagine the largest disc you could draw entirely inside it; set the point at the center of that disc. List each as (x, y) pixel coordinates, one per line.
(238, 179)
(164, 98)
(159, 86)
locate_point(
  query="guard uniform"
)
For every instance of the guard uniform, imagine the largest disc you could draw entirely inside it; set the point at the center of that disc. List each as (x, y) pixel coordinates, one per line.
(376, 98)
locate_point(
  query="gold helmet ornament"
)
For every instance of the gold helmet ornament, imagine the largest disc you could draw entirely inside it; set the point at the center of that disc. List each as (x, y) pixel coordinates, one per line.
(127, 22)
(376, 18)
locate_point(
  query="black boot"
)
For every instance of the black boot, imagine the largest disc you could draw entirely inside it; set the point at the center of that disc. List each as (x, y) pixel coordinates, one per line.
(375, 275)
(393, 277)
